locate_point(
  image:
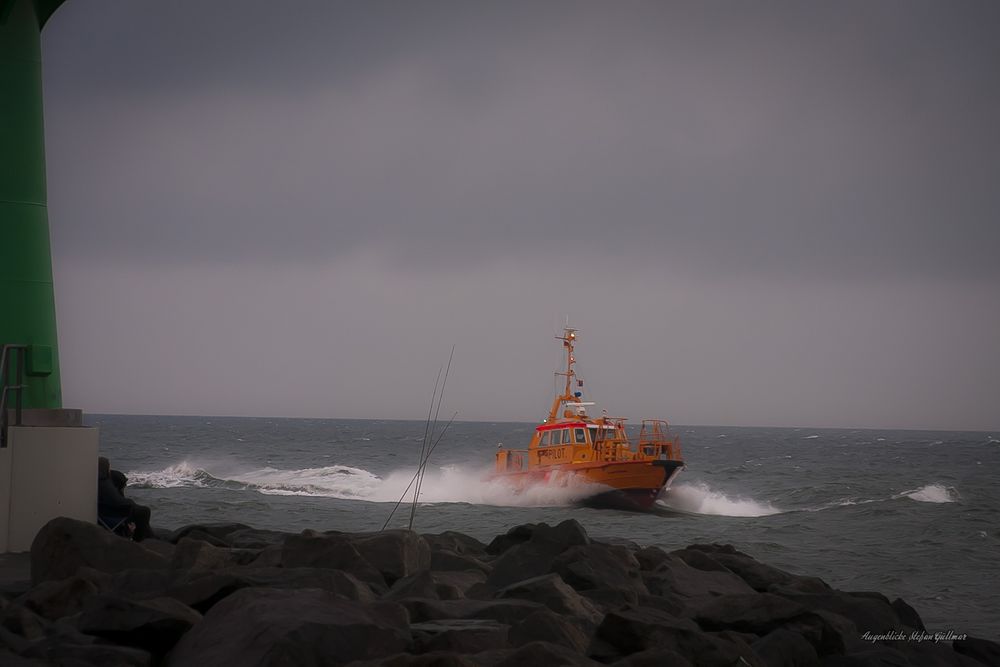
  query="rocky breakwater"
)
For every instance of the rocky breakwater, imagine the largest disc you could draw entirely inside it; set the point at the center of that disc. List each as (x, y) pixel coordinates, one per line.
(538, 595)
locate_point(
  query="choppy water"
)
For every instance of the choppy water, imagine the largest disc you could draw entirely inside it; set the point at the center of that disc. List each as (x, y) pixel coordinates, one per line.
(907, 513)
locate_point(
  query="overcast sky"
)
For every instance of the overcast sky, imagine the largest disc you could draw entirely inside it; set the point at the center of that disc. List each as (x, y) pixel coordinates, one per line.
(768, 213)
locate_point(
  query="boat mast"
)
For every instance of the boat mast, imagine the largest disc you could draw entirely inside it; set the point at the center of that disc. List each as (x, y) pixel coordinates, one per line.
(569, 339)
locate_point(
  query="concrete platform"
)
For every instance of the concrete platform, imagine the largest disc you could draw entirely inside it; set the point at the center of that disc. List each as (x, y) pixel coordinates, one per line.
(15, 574)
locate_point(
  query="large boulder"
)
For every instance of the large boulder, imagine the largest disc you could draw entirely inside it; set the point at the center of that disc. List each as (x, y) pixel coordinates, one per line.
(981, 650)
(444, 560)
(419, 585)
(784, 648)
(544, 654)
(674, 577)
(456, 585)
(551, 591)
(503, 611)
(757, 613)
(55, 599)
(865, 611)
(257, 627)
(908, 616)
(202, 590)
(336, 552)
(154, 625)
(455, 542)
(193, 554)
(548, 626)
(432, 659)
(516, 535)
(534, 555)
(216, 534)
(64, 545)
(459, 635)
(757, 575)
(394, 553)
(641, 629)
(654, 657)
(593, 566)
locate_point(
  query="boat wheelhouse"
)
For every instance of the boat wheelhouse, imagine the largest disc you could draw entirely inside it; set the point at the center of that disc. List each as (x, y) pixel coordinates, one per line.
(571, 447)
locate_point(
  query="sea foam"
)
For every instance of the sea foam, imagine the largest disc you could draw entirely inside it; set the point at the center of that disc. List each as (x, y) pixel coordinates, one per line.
(932, 493)
(699, 498)
(446, 484)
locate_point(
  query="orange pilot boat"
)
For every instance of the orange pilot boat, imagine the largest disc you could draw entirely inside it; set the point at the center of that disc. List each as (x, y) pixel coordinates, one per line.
(571, 448)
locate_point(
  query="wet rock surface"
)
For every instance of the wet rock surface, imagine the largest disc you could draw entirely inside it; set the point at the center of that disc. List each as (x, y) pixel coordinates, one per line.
(537, 595)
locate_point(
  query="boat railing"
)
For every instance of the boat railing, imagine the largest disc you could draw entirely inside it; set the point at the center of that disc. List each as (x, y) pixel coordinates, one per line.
(656, 442)
(513, 460)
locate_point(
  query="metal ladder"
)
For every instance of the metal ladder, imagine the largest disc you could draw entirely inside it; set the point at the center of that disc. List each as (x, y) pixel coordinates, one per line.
(6, 389)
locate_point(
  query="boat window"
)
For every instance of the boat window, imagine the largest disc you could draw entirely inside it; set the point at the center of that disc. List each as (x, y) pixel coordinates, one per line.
(580, 437)
(556, 437)
(544, 440)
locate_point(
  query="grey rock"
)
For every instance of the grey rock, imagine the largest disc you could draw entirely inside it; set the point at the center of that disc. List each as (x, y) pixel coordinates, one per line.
(444, 560)
(592, 566)
(455, 542)
(64, 545)
(649, 558)
(68, 654)
(509, 612)
(455, 585)
(216, 534)
(55, 599)
(534, 555)
(459, 635)
(981, 650)
(632, 631)
(311, 549)
(154, 625)
(870, 613)
(419, 585)
(675, 578)
(514, 536)
(551, 591)
(908, 615)
(394, 553)
(612, 599)
(432, 659)
(543, 654)
(654, 657)
(304, 627)
(783, 648)
(23, 622)
(757, 613)
(548, 626)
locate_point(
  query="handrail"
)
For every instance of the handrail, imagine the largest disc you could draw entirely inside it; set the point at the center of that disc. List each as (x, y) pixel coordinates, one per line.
(6, 389)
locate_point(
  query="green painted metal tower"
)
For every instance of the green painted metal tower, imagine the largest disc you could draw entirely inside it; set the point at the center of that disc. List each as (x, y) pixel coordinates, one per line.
(27, 301)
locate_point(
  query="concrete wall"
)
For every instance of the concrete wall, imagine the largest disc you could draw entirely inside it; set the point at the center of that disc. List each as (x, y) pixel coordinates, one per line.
(45, 472)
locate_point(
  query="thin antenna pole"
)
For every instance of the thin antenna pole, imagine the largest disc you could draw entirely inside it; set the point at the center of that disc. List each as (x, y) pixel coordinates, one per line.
(423, 443)
(414, 478)
(422, 469)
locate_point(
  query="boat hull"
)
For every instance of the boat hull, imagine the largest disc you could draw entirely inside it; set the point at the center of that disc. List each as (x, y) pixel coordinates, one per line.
(624, 485)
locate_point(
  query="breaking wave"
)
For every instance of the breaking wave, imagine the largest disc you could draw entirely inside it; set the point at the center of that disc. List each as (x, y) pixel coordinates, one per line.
(932, 493)
(447, 484)
(699, 498)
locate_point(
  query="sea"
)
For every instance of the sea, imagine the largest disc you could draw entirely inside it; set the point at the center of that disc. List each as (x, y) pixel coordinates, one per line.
(911, 514)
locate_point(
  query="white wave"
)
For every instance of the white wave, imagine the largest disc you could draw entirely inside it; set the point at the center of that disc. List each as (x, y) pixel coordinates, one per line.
(182, 474)
(447, 484)
(932, 493)
(699, 498)
(810, 437)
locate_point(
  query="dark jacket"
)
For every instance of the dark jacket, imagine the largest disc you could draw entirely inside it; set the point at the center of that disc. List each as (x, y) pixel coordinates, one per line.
(110, 501)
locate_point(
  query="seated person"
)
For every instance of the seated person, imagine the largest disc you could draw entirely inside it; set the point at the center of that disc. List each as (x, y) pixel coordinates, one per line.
(112, 505)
